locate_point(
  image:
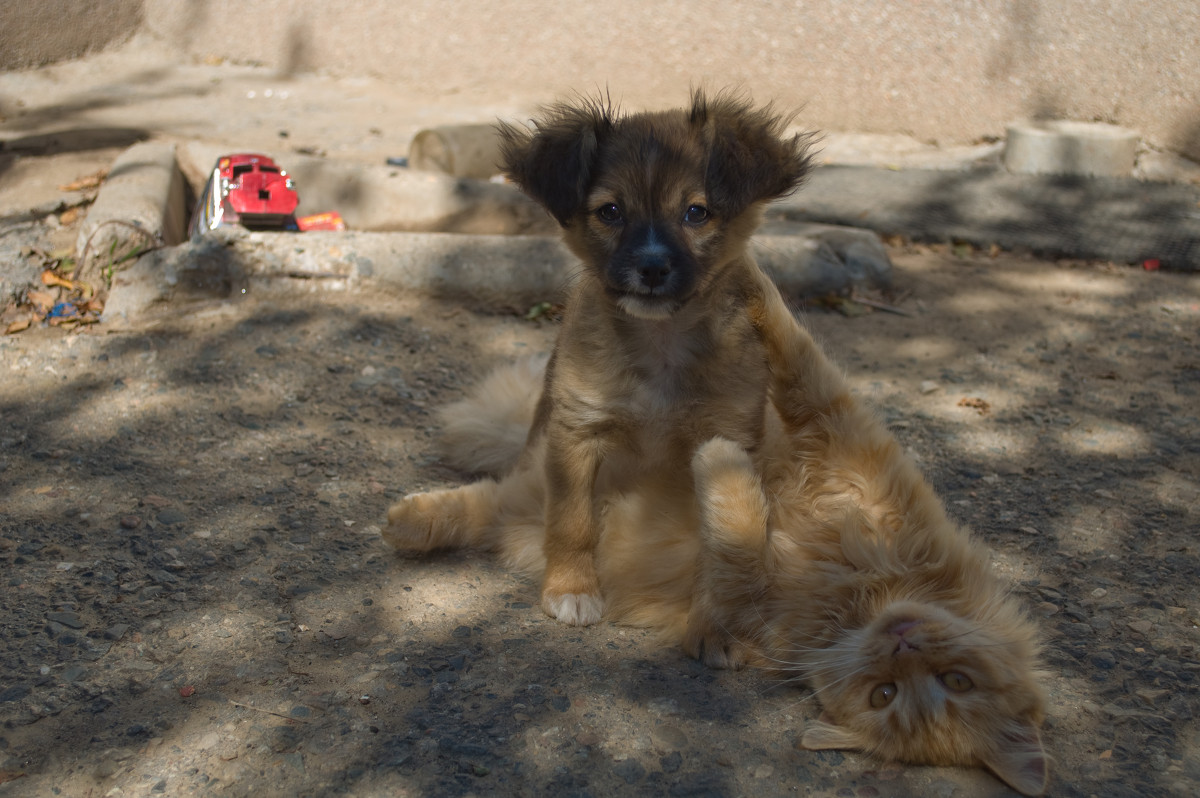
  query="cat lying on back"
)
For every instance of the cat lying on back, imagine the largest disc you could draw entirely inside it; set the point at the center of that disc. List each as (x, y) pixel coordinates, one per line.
(826, 557)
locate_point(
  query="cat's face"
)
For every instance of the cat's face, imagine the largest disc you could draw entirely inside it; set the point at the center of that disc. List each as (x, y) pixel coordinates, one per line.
(921, 685)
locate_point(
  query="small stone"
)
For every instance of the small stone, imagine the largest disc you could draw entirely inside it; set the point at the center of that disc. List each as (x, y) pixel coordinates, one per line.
(1141, 627)
(14, 693)
(929, 386)
(130, 522)
(668, 737)
(116, 631)
(170, 517)
(69, 619)
(1099, 593)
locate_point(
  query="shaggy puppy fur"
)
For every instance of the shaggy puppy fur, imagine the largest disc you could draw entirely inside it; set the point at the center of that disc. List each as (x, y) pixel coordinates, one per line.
(657, 353)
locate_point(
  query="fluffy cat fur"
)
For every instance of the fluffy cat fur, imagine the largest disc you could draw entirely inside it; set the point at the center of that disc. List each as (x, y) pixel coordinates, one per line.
(824, 556)
(656, 353)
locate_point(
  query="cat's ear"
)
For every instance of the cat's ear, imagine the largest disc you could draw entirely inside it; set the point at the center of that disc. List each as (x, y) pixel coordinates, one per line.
(824, 734)
(1019, 759)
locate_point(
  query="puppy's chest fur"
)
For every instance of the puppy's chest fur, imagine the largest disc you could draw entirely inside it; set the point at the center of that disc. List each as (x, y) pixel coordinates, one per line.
(670, 387)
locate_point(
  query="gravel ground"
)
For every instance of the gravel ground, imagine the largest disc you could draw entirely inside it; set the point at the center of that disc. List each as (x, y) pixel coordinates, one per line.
(198, 600)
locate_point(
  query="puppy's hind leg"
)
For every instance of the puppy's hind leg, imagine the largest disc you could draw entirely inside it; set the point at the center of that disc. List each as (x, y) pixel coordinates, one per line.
(732, 570)
(443, 519)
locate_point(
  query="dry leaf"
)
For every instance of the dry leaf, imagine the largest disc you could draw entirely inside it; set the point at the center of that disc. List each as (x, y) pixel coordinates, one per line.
(53, 278)
(88, 181)
(18, 326)
(982, 405)
(69, 216)
(42, 301)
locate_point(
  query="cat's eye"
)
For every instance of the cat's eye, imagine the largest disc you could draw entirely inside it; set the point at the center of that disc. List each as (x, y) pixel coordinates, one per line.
(609, 213)
(696, 215)
(882, 695)
(957, 682)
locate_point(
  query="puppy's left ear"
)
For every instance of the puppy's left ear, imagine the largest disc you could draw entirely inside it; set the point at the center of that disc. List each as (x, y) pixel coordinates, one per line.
(749, 159)
(554, 164)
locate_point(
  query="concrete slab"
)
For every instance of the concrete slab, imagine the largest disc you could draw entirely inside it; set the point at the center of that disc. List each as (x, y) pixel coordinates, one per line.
(1122, 220)
(492, 270)
(1063, 147)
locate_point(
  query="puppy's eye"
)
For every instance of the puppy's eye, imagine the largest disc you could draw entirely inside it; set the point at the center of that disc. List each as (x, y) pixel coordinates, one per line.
(957, 682)
(696, 214)
(609, 213)
(882, 695)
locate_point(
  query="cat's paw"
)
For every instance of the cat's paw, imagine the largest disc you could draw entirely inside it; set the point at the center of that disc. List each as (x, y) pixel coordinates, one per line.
(416, 523)
(576, 609)
(713, 646)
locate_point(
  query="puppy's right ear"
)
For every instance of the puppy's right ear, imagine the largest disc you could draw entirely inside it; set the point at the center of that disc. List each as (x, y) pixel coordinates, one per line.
(554, 164)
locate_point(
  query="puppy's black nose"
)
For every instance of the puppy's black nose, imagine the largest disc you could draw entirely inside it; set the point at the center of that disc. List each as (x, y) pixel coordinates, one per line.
(653, 268)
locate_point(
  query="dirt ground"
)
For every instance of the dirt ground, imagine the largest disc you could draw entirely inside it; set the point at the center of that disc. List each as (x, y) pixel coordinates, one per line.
(197, 599)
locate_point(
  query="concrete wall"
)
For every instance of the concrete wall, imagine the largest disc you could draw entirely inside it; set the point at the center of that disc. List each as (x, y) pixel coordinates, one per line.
(36, 32)
(949, 70)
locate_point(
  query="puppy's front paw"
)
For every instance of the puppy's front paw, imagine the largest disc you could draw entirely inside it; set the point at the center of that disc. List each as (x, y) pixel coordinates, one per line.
(576, 609)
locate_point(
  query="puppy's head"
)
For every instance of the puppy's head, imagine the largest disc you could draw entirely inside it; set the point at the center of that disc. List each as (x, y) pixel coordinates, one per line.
(655, 204)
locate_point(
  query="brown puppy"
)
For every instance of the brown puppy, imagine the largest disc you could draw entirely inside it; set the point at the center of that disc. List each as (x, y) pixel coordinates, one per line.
(657, 353)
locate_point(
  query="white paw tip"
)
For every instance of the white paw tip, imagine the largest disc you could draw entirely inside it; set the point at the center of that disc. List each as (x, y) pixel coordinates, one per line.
(576, 609)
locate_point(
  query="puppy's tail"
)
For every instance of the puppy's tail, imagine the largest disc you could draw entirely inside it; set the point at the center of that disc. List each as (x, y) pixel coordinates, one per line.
(485, 432)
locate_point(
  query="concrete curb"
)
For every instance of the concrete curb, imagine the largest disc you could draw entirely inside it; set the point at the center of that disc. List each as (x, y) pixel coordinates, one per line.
(1122, 220)
(509, 271)
(141, 205)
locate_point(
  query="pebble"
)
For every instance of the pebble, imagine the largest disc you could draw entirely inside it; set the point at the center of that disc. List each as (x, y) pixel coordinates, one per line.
(764, 771)
(667, 737)
(69, 619)
(929, 386)
(130, 522)
(170, 517)
(1141, 627)
(116, 631)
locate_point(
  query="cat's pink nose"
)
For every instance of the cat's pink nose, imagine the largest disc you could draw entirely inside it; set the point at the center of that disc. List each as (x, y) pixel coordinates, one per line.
(903, 626)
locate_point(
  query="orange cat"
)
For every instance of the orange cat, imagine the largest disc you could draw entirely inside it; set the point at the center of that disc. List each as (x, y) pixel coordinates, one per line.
(826, 557)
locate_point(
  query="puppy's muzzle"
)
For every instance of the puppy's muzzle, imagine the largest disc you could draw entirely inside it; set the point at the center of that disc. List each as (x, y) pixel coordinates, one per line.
(653, 265)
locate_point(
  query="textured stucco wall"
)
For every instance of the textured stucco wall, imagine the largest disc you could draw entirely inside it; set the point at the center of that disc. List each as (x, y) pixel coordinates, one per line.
(944, 70)
(36, 32)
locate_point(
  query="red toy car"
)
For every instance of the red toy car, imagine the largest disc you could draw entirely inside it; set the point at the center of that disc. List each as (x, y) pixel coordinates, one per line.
(246, 189)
